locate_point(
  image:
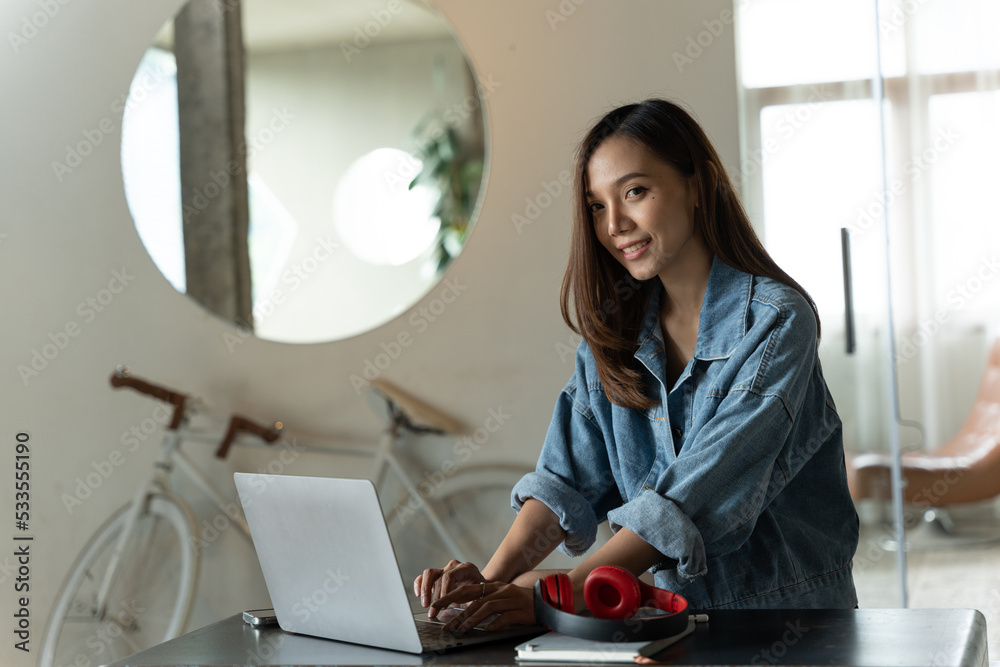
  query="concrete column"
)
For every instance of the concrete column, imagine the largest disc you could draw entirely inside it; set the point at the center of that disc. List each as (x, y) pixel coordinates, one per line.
(208, 45)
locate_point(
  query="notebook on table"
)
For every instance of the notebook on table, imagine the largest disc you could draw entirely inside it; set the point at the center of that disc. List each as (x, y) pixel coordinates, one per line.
(555, 647)
(330, 568)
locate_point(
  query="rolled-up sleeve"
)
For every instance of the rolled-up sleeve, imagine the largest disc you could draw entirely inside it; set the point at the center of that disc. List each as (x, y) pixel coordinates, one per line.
(707, 502)
(573, 476)
(576, 517)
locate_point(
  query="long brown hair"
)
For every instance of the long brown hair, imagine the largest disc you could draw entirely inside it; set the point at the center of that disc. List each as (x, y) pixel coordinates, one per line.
(608, 304)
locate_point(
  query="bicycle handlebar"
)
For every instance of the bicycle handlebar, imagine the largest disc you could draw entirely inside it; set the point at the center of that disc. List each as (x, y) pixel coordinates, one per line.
(239, 423)
(122, 377)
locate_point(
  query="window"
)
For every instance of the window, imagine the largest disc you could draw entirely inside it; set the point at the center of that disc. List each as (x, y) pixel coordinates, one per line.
(813, 163)
(814, 145)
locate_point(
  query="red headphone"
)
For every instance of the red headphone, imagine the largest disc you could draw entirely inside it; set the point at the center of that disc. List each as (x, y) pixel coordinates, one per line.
(613, 595)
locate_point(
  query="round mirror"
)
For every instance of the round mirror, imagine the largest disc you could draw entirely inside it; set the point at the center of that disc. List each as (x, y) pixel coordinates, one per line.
(354, 176)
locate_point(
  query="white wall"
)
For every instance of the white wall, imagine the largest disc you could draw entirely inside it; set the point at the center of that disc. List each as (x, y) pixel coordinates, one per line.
(494, 346)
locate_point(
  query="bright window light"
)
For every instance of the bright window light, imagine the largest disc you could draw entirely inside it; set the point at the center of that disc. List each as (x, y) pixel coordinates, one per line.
(376, 214)
(831, 41)
(150, 163)
(803, 212)
(962, 152)
(151, 177)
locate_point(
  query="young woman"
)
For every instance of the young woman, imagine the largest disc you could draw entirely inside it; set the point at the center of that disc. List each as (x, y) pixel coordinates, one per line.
(697, 422)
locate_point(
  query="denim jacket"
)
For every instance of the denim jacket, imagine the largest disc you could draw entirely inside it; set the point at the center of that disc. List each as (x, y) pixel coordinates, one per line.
(737, 476)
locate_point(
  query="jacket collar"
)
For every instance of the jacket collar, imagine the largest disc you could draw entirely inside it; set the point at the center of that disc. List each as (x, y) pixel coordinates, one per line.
(723, 320)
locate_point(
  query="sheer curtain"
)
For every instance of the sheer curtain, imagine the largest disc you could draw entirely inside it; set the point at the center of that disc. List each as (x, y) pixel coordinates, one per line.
(882, 118)
(813, 165)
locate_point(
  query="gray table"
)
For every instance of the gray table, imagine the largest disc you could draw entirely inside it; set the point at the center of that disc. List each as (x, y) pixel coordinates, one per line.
(909, 637)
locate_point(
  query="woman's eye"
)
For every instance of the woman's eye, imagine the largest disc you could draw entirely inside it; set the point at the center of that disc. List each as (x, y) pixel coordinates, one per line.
(635, 192)
(595, 207)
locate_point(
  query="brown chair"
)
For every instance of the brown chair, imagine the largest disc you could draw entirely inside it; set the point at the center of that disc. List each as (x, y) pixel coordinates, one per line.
(965, 469)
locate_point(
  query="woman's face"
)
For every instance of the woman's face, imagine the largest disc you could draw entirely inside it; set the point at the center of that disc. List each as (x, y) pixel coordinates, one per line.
(642, 208)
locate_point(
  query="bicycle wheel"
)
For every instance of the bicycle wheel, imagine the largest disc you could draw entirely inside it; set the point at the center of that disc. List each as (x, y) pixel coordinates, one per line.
(148, 601)
(474, 505)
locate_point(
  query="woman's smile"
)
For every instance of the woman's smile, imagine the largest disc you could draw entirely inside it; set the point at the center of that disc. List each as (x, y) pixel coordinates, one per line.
(635, 250)
(642, 208)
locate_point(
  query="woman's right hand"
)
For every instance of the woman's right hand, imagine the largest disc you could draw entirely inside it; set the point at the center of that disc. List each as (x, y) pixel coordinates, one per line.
(436, 583)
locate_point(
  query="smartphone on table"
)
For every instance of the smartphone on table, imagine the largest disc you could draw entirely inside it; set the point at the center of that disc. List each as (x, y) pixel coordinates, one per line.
(260, 618)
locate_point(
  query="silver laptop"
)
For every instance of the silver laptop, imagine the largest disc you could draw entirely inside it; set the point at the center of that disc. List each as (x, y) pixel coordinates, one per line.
(330, 568)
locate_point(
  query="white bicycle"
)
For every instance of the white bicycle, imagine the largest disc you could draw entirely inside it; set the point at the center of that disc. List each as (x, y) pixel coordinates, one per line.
(133, 584)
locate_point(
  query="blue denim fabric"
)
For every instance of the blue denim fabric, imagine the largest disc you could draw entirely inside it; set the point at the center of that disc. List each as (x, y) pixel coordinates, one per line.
(739, 481)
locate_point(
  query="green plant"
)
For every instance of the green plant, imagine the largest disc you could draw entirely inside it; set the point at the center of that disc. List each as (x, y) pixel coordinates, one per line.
(451, 168)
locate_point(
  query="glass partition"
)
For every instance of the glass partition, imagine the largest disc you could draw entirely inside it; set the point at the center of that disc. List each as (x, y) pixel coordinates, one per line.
(879, 118)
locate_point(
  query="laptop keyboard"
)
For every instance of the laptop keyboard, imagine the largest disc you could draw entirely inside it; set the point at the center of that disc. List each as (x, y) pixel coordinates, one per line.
(433, 634)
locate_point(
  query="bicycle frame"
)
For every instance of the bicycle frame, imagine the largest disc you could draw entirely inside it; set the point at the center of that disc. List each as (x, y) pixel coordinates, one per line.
(385, 459)
(154, 482)
(384, 456)
(157, 481)
(171, 456)
(134, 535)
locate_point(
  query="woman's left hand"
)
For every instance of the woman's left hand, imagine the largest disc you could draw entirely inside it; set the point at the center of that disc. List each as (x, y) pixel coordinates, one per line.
(511, 604)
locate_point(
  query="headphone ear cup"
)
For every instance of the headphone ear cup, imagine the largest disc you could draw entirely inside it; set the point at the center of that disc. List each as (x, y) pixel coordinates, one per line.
(557, 590)
(612, 592)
